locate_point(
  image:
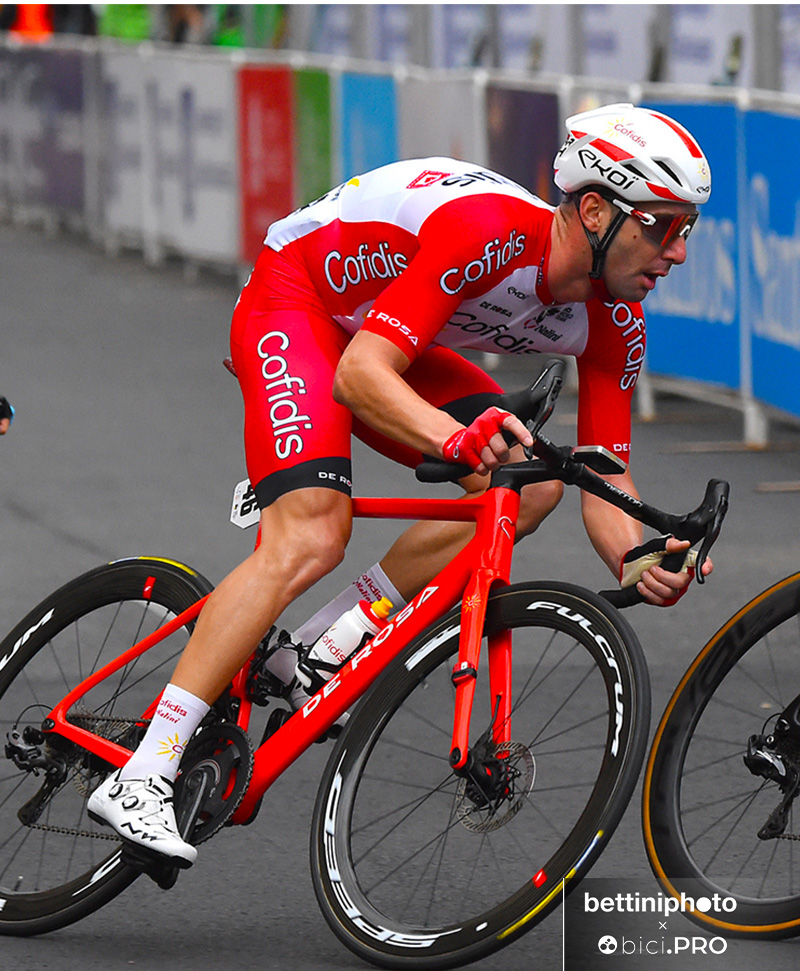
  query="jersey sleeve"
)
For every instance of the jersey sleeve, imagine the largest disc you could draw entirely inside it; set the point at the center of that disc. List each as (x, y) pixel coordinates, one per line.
(607, 373)
(466, 247)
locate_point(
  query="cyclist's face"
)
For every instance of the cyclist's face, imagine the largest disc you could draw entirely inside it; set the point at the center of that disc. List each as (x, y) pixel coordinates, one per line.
(636, 260)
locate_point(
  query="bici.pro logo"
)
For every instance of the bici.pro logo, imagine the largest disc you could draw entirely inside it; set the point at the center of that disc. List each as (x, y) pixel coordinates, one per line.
(649, 930)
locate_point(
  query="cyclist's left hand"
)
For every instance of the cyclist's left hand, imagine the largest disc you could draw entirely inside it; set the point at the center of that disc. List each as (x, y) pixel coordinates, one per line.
(658, 586)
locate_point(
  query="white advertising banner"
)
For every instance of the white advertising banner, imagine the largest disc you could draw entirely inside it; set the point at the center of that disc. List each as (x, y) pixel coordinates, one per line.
(617, 41)
(535, 37)
(711, 43)
(191, 162)
(443, 118)
(122, 108)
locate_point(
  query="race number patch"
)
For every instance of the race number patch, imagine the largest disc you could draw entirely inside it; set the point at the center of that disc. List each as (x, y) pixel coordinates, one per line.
(244, 509)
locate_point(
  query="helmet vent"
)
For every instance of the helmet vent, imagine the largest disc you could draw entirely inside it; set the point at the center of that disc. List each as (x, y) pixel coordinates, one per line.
(668, 170)
(632, 168)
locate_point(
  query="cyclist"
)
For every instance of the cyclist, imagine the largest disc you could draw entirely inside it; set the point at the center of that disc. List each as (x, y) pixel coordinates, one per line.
(6, 415)
(349, 323)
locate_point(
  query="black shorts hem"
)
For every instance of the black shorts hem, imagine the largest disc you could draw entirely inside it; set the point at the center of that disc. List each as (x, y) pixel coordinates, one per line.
(331, 473)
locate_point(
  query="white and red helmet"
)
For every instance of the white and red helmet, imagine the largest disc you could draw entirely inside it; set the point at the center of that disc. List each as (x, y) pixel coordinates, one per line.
(638, 154)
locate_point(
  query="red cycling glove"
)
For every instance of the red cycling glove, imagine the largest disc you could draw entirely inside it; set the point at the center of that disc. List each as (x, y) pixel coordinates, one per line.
(465, 446)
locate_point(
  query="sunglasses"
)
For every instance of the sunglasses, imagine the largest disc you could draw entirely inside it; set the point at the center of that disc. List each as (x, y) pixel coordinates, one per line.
(663, 229)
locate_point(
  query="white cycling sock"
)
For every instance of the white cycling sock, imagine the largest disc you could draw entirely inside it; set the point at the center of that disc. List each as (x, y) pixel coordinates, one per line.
(176, 718)
(371, 585)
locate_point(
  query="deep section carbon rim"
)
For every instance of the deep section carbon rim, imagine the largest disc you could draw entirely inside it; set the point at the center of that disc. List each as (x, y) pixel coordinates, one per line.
(412, 865)
(703, 808)
(57, 865)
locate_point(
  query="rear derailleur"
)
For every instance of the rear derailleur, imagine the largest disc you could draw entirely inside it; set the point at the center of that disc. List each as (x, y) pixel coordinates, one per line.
(775, 757)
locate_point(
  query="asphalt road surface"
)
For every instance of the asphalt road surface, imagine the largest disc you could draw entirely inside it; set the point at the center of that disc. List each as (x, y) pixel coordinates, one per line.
(127, 441)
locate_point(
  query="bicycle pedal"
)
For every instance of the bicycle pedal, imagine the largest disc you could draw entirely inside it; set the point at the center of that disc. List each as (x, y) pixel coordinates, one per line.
(163, 871)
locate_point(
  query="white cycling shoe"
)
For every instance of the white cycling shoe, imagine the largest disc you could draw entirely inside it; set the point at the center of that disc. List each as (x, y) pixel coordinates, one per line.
(141, 811)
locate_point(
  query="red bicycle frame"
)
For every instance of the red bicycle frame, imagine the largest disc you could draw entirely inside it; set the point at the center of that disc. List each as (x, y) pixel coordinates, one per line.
(484, 562)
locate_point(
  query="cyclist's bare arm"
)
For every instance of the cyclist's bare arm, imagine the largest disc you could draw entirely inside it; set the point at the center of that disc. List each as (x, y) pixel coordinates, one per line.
(369, 382)
(613, 534)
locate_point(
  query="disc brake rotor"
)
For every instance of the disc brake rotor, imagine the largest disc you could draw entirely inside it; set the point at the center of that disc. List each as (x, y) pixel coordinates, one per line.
(520, 770)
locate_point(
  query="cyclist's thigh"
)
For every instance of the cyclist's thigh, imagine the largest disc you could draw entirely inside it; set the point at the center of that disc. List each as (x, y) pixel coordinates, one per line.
(446, 380)
(296, 436)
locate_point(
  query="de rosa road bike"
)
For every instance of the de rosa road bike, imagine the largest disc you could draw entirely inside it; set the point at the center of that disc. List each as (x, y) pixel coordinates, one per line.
(724, 771)
(449, 820)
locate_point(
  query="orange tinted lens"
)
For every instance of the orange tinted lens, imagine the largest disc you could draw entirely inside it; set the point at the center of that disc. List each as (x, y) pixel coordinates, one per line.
(666, 229)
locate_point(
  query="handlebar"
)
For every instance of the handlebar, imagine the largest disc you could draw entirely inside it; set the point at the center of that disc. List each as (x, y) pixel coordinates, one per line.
(580, 467)
(532, 405)
(704, 523)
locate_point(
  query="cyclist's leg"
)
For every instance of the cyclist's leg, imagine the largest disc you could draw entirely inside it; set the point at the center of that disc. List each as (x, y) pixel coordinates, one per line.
(297, 439)
(304, 537)
(449, 381)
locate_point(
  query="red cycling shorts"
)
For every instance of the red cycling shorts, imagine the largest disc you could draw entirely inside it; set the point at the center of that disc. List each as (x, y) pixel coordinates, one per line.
(285, 348)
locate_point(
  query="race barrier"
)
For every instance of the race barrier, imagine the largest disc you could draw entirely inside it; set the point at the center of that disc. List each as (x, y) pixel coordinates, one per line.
(195, 153)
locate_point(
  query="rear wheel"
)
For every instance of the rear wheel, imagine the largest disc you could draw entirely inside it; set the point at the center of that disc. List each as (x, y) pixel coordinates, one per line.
(56, 864)
(710, 823)
(414, 866)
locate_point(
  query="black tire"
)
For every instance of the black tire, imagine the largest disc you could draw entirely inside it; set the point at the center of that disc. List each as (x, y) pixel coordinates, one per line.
(64, 866)
(406, 870)
(702, 808)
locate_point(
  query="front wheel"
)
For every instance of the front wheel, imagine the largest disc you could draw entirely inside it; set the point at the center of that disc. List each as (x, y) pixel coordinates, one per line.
(412, 865)
(710, 824)
(56, 865)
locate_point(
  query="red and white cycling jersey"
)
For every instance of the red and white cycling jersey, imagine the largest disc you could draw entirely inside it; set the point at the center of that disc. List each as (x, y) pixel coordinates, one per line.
(438, 251)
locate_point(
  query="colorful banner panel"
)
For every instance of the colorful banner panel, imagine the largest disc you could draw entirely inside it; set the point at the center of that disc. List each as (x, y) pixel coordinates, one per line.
(42, 142)
(368, 113)
(313, 148)
(266, 152)
(693, 316)
(772, 226)
(524, 136)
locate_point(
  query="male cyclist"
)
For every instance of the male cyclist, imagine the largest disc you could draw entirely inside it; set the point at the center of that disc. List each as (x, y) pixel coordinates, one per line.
(349, 323)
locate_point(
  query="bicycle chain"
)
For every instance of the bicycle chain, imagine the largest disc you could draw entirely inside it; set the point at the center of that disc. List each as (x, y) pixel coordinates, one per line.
(91, 722)
(70, 831)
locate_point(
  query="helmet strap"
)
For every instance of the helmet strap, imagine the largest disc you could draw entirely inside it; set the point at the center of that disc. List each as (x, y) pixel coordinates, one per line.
(599, 246)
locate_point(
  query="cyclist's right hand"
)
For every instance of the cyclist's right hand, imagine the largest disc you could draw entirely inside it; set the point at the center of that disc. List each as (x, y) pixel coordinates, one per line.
(481, 445)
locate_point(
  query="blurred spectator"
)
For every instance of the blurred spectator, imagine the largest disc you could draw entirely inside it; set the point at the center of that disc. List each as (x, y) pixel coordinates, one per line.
(249, 25)
(74, 18)
(188, 23)
(126, 21)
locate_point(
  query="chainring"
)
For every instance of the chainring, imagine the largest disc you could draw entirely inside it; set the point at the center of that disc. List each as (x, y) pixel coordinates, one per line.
(215, 773)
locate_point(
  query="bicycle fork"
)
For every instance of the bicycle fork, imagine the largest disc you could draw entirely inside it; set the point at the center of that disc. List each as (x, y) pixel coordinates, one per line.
(494, 568)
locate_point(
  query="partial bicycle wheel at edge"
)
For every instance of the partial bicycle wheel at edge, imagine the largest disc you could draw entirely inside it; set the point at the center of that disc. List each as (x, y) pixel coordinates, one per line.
(702, 807)
(410, 867)
(57, 865)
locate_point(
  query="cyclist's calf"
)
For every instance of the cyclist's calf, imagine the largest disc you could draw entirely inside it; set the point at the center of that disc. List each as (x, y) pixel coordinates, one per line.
(304, 535)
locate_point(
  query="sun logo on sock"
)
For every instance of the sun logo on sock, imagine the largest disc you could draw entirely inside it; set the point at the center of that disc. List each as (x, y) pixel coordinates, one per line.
(172, 746)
